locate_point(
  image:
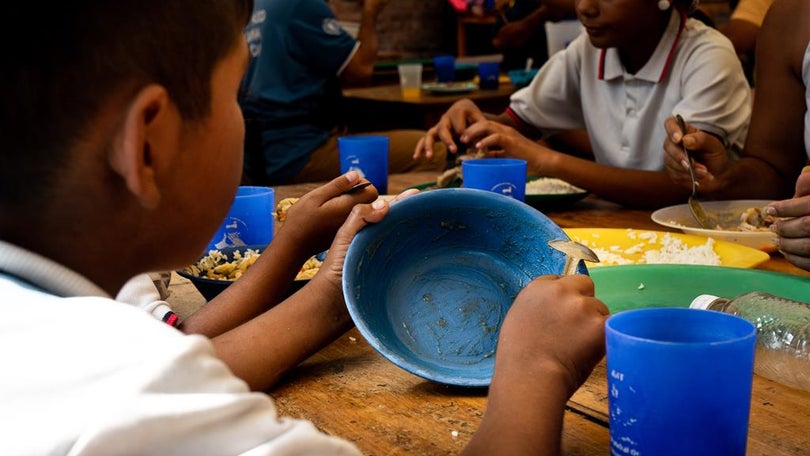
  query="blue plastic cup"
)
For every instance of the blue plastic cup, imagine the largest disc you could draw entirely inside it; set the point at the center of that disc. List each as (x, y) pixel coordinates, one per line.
(679, 382)
(445, 68)
(488, 74)
(249, 221)
(506, 176)
(368, 155)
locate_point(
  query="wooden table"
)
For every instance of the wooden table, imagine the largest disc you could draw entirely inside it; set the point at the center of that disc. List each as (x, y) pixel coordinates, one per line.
(348, 389)
(383, 107)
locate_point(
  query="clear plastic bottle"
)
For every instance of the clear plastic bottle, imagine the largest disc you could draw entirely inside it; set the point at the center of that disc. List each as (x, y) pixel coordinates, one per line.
(783, 333)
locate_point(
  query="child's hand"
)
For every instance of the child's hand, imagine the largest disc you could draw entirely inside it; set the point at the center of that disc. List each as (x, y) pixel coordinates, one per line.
(461, 114)
(555, 325)
(551, 339)
(313, 220)
(501, 140)
(362, 215)
(709, 154)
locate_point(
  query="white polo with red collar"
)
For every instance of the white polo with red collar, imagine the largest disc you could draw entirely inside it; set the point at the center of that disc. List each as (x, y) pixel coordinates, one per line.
(694, 72)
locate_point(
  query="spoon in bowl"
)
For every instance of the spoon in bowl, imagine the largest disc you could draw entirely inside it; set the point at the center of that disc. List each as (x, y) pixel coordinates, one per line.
(574, 253)
(698, 212)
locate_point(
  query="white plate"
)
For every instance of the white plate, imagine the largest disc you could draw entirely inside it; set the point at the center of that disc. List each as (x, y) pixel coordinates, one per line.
(449, 87)
(727, 213)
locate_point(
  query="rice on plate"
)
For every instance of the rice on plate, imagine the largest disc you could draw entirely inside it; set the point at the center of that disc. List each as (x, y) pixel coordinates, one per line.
(629, 246)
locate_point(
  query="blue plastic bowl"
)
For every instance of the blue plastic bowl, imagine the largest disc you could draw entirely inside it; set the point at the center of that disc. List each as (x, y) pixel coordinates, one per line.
(430, 285)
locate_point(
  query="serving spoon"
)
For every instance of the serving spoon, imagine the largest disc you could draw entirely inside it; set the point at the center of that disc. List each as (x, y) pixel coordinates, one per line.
(698, 212)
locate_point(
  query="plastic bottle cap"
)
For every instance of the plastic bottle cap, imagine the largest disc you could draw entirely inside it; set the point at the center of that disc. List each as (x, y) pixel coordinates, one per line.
(703, 301)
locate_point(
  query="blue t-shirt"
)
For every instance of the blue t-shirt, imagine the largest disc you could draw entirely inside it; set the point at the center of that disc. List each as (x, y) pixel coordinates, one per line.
(291, 91)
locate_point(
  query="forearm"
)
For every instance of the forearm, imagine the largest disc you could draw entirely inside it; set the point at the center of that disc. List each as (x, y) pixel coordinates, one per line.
(262, 350)
(522, 418)
(516, 33)
(629, 187)
(361, 67)
(742, 34)
(752, 177)
(262, 286)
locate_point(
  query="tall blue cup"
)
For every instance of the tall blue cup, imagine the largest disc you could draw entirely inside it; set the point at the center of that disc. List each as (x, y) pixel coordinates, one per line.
(445, 68)
(506, 176)
(488, 75)
(679, 382)
(368, 155)
(249, 220)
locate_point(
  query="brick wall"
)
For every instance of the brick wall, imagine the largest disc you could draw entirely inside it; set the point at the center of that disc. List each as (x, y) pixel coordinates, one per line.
(408, 28)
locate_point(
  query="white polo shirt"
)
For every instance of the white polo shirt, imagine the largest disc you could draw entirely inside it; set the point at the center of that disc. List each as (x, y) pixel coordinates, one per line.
(85, 375)
(693, 72)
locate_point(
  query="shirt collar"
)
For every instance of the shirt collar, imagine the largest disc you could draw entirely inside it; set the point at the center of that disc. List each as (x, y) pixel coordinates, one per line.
(45, 274)
(657, 68)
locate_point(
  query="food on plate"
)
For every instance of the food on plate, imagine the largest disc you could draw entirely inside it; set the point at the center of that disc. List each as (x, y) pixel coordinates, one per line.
(550, 186)
(452, 176)
(754, 219)
(282, 207)
(217, 266)
(309, 269)
(653, 249)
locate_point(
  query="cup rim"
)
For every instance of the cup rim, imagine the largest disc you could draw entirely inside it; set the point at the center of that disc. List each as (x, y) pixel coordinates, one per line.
(743, 329)
(494, 162)
(363, 138)
(253, 190)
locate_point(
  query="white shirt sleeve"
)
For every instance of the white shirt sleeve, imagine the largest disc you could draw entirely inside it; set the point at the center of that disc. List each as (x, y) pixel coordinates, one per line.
(141, 291)
(715, 96)
(552, 101)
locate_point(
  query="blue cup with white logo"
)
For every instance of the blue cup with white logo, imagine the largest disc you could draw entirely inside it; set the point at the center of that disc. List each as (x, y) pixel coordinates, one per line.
(679, 382)
(506, 176)
(249, 220)
(368, 155)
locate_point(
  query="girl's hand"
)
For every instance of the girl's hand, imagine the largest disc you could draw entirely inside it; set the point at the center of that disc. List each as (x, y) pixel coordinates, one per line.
(501, 140)
(452, 123)
(709, 154)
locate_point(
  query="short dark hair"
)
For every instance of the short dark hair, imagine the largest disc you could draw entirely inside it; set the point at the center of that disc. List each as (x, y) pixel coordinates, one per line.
(63, 59)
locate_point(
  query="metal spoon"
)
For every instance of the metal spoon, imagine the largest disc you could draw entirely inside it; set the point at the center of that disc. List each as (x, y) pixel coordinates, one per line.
(574, 252)
(698, 212)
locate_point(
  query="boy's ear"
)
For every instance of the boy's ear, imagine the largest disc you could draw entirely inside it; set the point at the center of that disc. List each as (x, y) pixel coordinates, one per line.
(150, 126)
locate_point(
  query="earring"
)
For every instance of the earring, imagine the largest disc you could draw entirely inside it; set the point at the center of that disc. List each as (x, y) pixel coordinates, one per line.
(663, 5)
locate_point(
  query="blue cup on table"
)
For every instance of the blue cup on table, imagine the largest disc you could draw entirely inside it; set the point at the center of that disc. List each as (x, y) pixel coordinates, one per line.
(249, 220)
(506, 176)
(445, 68)
(679, 382)
(367, 155)
(488, 75)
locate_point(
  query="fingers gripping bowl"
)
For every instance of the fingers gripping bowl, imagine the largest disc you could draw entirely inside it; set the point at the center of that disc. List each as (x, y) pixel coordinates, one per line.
(430, 285)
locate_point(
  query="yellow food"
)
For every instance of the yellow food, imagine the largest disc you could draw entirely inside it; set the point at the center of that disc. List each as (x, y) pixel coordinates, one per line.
(283, 206)
(216, 265)
(309, 269)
